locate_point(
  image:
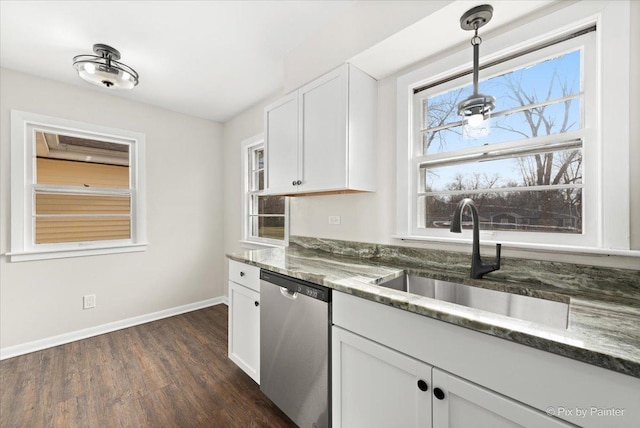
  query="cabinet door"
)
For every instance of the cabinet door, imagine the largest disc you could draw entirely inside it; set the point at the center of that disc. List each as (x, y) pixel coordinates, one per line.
(323, 109)
(281, 143)
(465, 404)
(244, 329)
(374, 386)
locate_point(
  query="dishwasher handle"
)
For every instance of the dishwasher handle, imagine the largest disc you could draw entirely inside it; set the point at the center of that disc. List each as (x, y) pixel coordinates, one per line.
(289, 294)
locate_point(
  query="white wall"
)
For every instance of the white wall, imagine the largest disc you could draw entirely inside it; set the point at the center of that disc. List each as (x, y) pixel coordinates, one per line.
(370, 217)
(245, 125)
(184, 260)
(634, 134)
(362, 26)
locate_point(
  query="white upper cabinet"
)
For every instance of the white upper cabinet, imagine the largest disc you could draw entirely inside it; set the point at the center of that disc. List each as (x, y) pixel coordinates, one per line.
(321, 138)
(281, 136)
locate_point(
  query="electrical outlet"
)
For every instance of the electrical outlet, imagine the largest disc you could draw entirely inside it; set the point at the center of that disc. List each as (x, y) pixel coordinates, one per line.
(89, 301)
(334, 219)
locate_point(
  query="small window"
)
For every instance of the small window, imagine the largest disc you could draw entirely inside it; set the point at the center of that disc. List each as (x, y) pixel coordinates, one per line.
(76, 189)
(82, 190)
(265, 215)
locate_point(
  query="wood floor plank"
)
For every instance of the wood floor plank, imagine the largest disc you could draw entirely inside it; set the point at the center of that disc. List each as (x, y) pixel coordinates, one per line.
(169, 373)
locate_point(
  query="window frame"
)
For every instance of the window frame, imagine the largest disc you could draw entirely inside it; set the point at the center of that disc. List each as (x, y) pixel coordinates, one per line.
(584, 43)
(249, 145)
(610, 184)
(23, 158)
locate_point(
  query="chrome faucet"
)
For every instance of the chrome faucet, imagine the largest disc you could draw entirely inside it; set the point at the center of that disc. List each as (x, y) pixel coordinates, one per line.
(478, 269)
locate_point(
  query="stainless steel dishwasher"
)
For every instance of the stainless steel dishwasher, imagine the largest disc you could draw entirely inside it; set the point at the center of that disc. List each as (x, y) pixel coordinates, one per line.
(294, 348)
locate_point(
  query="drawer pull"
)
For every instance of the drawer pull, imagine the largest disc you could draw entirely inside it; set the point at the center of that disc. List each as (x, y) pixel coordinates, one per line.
(241, 273)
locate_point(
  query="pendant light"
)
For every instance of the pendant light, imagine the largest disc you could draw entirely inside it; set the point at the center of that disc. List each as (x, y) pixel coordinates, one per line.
(103, 69)
(476, 109)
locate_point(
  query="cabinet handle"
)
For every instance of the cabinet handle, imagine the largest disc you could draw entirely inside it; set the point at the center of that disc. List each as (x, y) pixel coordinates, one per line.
(438, 393)
(422, 385)
(241, 273)
(299, 182)
(293, 182)
(256, 303)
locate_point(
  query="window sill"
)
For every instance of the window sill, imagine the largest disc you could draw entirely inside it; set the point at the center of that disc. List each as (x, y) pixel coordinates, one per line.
(549, 248)
(257, 245)
(74, 252)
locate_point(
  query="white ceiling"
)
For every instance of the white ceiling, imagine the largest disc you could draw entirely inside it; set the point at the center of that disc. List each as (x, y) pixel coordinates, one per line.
(214, 59)
(438, 32)
(210, 59)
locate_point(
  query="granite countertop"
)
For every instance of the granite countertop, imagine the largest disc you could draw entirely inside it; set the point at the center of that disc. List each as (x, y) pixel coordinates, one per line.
(604, 303)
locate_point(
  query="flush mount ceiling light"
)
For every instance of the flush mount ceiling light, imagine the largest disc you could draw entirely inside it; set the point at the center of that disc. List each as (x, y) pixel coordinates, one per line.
(103, 69)
(477, 107)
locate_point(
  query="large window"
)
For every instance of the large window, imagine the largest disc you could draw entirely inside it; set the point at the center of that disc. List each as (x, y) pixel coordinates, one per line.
(549, 168)
(523, 168)
(76, 189)
(265, 216)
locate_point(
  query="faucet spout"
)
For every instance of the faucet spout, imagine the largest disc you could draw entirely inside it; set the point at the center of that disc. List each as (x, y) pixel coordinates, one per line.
(478, 268)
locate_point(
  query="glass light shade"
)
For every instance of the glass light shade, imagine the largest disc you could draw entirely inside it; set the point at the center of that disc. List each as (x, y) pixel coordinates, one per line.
(477, 126)
(475, 120)
(476, 111)
(104, 72)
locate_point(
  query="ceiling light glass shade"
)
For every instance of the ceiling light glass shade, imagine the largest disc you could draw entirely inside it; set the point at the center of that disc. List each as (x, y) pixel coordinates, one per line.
(104, 70)
(477, 126)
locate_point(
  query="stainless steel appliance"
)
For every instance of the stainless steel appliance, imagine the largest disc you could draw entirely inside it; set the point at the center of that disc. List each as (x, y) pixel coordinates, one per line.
(294, 347)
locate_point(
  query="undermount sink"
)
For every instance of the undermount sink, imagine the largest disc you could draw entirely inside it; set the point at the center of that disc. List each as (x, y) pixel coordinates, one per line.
(548, 312)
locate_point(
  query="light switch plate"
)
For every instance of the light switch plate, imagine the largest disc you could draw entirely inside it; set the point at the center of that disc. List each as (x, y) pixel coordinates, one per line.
(334, 219)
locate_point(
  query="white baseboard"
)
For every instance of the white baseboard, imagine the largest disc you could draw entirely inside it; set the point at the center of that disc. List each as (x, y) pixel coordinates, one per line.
(61, 339)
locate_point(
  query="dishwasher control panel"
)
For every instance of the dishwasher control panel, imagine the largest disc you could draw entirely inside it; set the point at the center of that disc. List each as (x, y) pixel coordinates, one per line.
(296, 285)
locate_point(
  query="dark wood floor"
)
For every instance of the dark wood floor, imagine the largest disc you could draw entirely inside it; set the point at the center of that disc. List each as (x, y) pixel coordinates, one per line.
(169, 373)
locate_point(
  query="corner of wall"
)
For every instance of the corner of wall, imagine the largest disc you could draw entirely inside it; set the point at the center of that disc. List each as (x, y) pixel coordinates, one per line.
(634, 127)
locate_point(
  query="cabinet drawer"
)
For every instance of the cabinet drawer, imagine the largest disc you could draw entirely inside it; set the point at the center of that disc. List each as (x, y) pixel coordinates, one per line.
(244, 274)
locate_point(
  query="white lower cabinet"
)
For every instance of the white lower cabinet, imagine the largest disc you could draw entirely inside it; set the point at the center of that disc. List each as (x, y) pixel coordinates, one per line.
(391, 368)
(374, 386)
(458, 403)
(244, 329)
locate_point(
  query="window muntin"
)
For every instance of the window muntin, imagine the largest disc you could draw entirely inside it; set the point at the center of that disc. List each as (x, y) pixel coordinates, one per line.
(506, 127)
(534, 152)
(265, 214)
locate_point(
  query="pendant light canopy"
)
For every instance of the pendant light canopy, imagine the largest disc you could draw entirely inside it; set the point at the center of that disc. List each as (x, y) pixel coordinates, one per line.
(103, 69)
(477, 108)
